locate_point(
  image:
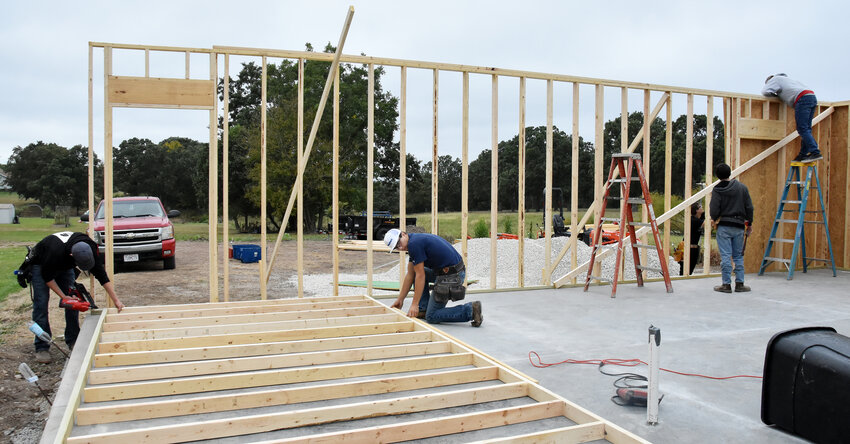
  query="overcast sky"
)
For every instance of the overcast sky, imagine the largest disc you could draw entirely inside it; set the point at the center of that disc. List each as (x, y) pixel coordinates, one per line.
(720, 45)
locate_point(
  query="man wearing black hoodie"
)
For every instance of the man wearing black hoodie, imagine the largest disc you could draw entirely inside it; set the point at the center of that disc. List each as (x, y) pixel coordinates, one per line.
(731, 211)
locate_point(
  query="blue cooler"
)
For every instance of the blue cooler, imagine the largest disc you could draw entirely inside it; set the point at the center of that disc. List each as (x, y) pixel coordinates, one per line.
(247, 253)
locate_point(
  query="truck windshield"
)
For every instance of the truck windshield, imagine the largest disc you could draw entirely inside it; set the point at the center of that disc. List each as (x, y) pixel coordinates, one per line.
(131, 208)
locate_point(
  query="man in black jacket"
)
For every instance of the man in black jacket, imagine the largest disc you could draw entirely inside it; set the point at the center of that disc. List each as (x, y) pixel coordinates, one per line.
(731, 212)
(54, 259)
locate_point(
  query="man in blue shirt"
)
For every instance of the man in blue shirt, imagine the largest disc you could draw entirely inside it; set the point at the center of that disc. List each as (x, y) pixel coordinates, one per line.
(430, 255)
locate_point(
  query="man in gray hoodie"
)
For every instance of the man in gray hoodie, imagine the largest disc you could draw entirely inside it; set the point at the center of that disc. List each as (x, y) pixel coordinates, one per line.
(731, 212)
(803, 100)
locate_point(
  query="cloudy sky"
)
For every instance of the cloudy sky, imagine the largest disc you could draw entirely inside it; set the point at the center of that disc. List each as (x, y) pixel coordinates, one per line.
(722, 45)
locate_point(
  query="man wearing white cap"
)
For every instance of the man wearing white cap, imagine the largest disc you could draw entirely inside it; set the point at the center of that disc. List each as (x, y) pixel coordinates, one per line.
(54, 259)
(432, 257)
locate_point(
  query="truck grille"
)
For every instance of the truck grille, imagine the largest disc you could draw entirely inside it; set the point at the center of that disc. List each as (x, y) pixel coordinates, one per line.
(133, 237)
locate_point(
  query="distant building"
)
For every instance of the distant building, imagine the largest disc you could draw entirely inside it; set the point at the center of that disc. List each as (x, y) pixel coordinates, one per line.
(7, 213)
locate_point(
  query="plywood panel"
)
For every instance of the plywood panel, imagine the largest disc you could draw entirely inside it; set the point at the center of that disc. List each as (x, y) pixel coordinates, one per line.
(166, 93)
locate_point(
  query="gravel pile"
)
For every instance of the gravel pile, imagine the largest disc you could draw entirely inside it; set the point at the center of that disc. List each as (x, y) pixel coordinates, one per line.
(478, 266)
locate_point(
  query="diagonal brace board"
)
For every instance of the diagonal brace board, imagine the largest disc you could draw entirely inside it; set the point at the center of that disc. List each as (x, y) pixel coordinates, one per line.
(303, 165)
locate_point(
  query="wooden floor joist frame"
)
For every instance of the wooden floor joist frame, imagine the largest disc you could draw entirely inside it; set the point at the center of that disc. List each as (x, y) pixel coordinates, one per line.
(199, 371)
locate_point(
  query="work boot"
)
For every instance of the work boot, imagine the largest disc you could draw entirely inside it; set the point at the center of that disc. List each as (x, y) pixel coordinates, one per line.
(43, 356)
(725, 288)
(740, 287)
(477, 317)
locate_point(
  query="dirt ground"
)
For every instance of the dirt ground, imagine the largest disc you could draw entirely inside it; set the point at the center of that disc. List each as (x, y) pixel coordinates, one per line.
(25, 409)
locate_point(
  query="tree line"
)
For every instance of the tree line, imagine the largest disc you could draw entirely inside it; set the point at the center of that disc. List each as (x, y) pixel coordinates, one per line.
(176, 169)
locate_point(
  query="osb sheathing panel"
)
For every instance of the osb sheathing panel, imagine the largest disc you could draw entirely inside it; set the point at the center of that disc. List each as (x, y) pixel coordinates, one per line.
(206, 371)
(765, 184)
(761, 181)
(836, 165)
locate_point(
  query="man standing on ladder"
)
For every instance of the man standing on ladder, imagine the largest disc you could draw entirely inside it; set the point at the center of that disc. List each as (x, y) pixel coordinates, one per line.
(804, 102)
(731, 212)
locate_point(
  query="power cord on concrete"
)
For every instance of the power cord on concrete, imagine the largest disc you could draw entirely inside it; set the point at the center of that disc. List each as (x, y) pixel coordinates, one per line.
(624, 363)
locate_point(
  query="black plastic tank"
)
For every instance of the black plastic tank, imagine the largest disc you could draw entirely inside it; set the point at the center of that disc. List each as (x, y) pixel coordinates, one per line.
(806, 386)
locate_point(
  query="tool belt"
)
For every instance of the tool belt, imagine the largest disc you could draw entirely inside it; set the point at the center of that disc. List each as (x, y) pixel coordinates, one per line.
(448, 285)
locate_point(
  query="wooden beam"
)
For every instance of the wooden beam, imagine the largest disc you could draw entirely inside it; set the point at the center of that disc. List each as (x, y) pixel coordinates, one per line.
(199, 384)
(231, 365)
(464, 148)
(370, 176)
(206, 330)
(125, 91)
(335, 185)
(241, 350)
(689, 167)
(435, 156)
(709, 174)
(761, 129)
(212, 173)
(594, 431)
(261, 267)
(647, 125)
(598, 159)
(494, 177)
(548, 212)
(225, 305)
(521, 187)
(242, 319)
(217, 403)
(270, 308)
(402, 169)
(574, 160)
(225, 180)
(219, 428)
(408, 431)
(488, 70)
(253, 338)
(668, 172)
(299, 211)
(74, 399)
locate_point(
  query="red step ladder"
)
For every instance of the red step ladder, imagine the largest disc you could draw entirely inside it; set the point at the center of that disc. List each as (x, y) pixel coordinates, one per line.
(620, 166)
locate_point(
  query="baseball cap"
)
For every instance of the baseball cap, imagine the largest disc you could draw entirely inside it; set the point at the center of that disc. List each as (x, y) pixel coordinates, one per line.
(391, 238)
(83, 256)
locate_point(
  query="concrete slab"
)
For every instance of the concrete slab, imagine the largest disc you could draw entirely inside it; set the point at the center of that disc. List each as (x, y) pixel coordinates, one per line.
(702, 331)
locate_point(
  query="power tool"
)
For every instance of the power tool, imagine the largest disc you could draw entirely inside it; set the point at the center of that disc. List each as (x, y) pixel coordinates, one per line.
(632, 396)
(78, 299)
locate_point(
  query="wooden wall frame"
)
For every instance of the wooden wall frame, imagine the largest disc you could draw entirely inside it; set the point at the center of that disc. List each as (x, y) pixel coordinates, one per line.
(748, 119)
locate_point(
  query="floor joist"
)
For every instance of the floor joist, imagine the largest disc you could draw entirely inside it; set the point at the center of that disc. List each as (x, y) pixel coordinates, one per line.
(282, 371)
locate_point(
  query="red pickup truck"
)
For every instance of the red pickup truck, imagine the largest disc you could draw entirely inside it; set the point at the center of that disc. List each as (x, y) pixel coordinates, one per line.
(141, 230)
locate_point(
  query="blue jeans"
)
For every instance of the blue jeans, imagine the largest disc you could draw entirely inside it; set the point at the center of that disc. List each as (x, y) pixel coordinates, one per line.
(730, 242)
(804, 111)
(40, 301)
(436, 312)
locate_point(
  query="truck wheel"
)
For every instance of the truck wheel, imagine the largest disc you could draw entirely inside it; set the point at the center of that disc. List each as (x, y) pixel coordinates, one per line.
(379, 235)
(168, 263)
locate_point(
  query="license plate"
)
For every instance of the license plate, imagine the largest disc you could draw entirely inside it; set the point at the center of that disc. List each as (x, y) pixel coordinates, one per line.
(131, 258)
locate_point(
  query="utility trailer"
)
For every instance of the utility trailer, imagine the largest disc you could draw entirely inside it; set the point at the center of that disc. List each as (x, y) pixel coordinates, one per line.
(354, 227)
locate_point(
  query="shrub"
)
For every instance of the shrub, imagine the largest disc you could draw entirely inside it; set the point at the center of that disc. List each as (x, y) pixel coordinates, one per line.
(480, 229)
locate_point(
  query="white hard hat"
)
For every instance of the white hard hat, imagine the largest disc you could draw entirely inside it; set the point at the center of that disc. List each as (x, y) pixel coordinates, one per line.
(391, 238)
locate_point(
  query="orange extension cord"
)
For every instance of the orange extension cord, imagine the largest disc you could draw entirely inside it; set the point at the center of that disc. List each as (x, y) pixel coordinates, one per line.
(623, 363)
